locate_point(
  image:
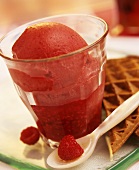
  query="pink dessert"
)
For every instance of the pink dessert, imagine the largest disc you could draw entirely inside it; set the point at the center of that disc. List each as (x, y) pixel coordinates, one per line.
(61, 92)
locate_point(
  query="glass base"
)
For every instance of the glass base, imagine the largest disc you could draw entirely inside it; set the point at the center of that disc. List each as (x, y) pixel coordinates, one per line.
(52, 144)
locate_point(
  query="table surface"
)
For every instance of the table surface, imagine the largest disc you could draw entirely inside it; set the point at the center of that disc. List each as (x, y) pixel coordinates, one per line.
(19, 117)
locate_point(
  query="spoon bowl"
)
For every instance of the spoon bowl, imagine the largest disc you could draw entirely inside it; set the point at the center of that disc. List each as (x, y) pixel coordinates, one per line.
(89, 142)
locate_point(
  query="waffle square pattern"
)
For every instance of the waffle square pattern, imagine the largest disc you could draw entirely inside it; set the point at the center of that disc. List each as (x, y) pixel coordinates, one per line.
(122, 81)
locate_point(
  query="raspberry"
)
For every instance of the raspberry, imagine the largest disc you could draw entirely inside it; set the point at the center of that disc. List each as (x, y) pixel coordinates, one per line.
(30, 135)
(69, 149)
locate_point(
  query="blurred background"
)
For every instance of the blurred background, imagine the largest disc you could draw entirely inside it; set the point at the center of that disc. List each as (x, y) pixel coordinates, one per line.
(16, 12)
(121, 15)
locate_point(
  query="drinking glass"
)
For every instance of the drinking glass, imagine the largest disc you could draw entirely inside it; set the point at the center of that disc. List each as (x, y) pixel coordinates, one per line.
(63, 93)
(127, 18)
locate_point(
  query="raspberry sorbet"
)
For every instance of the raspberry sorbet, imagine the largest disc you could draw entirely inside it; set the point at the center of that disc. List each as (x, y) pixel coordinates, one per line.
(62, 91)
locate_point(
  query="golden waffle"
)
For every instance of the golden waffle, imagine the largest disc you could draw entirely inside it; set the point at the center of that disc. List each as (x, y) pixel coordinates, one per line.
(137, 131)
(122, 81)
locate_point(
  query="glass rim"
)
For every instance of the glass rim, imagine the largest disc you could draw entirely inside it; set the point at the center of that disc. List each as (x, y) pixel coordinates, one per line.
(60, 56)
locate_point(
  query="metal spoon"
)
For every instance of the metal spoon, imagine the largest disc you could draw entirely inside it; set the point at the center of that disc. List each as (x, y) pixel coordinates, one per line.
(89, 142)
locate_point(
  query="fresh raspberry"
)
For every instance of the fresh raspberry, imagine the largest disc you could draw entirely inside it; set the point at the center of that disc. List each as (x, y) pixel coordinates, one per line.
(30, 135)
(69, 149)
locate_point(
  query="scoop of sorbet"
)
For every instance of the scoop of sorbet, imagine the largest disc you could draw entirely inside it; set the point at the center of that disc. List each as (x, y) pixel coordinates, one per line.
(45, 40)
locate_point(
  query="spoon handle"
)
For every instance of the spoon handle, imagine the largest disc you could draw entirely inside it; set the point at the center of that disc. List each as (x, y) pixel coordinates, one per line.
(119, 114)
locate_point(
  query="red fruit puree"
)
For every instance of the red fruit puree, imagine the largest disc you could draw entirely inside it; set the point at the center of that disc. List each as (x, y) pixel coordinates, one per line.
(77, 118)
(65, 94)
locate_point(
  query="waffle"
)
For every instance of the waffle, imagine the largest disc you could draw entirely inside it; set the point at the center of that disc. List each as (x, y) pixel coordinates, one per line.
(122, 81)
